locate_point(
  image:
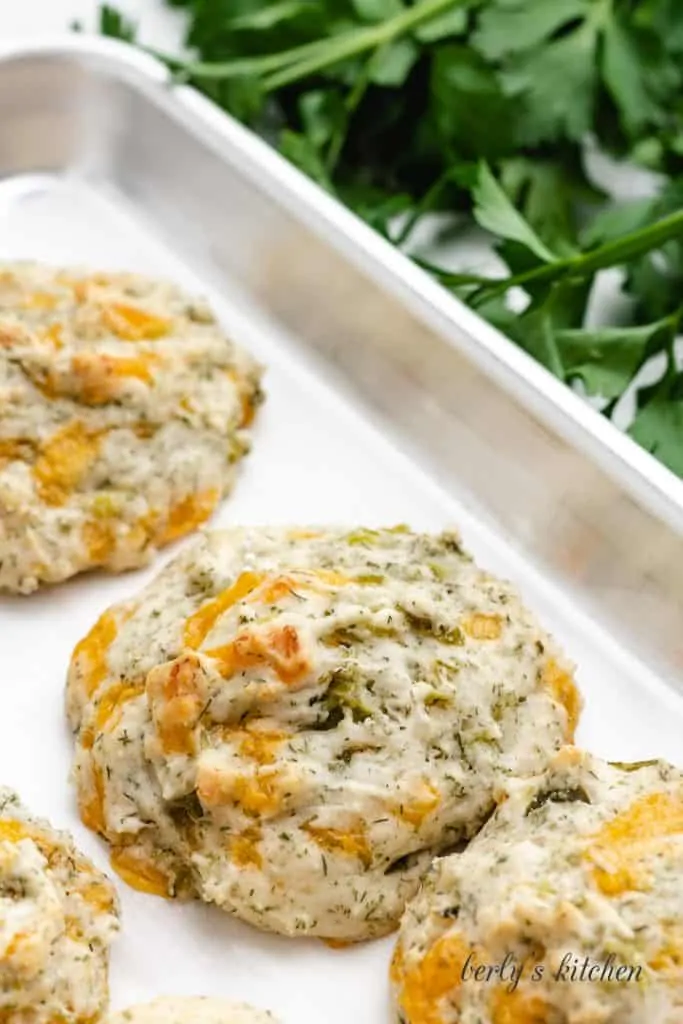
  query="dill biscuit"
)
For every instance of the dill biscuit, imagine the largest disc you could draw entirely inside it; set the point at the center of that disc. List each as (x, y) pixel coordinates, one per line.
(58, 916)
(291, 723)
(191, 1010)
(123, 413)
(565, 909)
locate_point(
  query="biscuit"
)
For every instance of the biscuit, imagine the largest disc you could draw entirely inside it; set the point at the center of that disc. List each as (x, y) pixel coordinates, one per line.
(58, 916)
(191, 1010)
(291, 723)
(123, 410)
(575, 885)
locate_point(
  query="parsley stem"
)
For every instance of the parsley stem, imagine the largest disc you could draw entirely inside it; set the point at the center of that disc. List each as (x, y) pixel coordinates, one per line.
(283, 68)
(358, 41)
(353, 101)
(611, 254)
(425, 204)
(624, 249)
(454, 278)
(240, 67)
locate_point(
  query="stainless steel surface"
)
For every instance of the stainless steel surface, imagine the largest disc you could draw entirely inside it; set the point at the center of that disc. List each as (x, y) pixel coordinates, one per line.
(388, 401)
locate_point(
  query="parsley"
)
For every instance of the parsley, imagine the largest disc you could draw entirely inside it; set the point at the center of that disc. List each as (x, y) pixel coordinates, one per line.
(113, 23)
(486, 109)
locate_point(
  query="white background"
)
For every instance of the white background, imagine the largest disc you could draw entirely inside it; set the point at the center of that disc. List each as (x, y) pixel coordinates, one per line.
(21, 19)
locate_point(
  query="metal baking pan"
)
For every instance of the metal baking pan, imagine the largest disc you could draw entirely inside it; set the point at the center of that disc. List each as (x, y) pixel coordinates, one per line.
(387, 401)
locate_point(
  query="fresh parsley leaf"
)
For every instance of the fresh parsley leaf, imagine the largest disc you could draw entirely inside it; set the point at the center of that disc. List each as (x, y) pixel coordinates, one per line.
(658, 425)
(626, 77)
(391, 65)
(451, 23)
(655, 280)
(556, 87)
(494, 211)
(246, 100)
(665, 20)
(113, 23)
(300, 150)
(322, 114)
(377, 10)
(378, 210)
(535, 332)
(617, 219)
(607, 359)
(466, 99)
(557, 307)
(269, 16)
(549, 195)
(510, 27)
